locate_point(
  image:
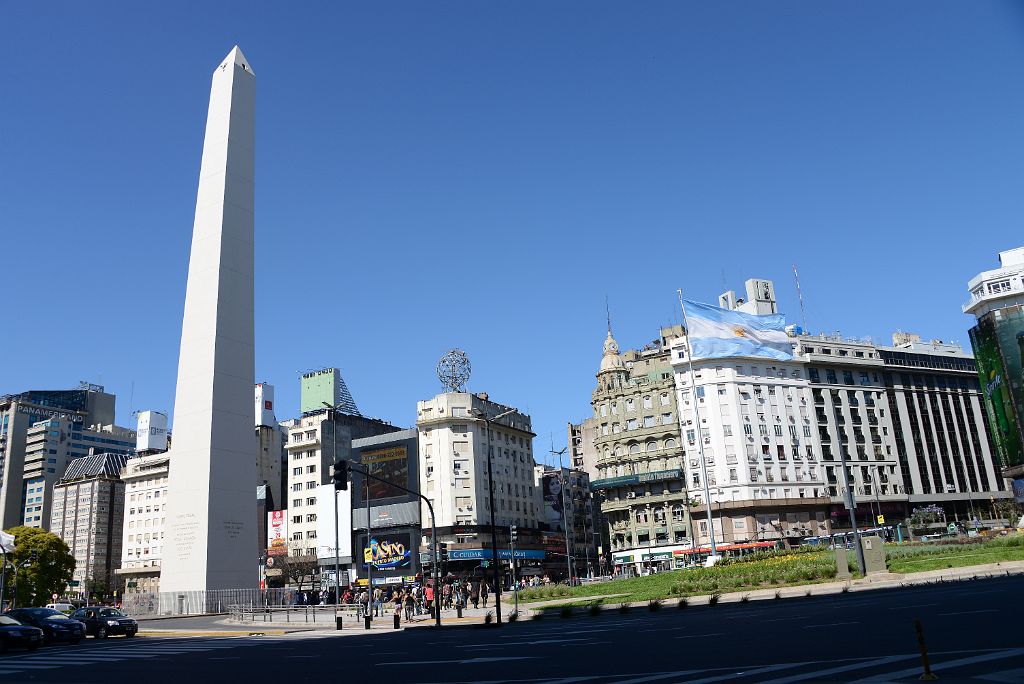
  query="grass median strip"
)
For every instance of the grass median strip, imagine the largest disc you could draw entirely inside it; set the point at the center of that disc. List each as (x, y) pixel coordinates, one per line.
(776, 569)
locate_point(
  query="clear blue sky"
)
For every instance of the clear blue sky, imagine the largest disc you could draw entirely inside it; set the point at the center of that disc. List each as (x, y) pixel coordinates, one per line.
(480, 175)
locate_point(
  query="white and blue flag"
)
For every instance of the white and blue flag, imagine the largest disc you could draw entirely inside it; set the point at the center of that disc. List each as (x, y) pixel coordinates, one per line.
(716, 333)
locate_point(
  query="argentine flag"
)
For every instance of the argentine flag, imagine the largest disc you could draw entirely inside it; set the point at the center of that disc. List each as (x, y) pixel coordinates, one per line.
(715, 333)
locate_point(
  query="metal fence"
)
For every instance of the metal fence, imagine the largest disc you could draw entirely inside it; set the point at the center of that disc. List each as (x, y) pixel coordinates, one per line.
(199, 602)
(323, 615)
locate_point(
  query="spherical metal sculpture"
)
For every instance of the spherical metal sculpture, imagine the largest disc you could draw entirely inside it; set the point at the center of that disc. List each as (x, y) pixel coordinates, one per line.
(453, 371)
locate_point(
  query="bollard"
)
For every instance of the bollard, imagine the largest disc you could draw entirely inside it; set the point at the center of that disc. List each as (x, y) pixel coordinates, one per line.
(398, 620)
(366, 619)
(458, 610)
(928, 675)
(337, 622)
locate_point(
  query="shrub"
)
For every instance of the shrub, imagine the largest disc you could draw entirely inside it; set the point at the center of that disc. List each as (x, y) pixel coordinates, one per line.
(488, 617)
(745, 598)
(713, 599)
(537, 615)
(654, 605)
(623, 608)
(778, 594)
(683, 603)
(513, 616)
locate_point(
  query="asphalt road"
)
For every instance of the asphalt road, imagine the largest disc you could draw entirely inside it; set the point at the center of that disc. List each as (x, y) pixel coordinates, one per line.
(972, 629)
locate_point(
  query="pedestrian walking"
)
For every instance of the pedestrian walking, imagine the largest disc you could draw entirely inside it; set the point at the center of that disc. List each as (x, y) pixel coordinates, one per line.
(378, 597)
(410, 605)
(484, 590)
(428, 598)
(474, 593)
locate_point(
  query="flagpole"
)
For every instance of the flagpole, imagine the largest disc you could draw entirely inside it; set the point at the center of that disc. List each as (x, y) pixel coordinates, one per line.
(699, 430)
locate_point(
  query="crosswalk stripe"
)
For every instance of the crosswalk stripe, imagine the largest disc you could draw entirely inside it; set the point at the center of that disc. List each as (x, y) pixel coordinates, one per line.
(1010, 653)
(836, 670)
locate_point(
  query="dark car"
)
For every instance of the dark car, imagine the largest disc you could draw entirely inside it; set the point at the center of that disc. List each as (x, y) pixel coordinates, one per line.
(56, 625)
(102, 621)
(13, 633)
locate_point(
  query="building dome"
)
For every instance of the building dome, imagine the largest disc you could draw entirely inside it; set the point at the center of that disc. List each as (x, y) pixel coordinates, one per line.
(611, 361)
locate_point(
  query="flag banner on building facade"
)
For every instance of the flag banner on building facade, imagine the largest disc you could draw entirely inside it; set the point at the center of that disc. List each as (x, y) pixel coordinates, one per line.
(716, 333)
(7, 542)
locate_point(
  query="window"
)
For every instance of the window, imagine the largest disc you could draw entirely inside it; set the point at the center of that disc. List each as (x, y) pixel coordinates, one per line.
(296, 503)
(648, 421)
(311, 484)
(666, 418)
(764, 429)
(311, 468)
(748, 429)
(296, 519)
(664, 399)
(630, 405)
(631, 424)
(727, 430)
(311, 517)
(604, 410)
(647, 402)
(311, 501)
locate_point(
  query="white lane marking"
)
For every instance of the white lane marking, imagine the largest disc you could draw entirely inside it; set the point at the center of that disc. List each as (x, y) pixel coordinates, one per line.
(831, 624)
(1009, 653)
(874, 662)
(698, 636)
(913, 605)
(655, 677)
(798, 617)
(972, 612)
(468, 661)
(742, 673)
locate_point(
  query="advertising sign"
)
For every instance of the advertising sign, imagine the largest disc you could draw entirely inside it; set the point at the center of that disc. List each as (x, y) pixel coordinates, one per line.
(277, 533)
(151, 432)
(552, 491)
(392, 553)
(325, 526)
(391, 464)
(998, 343)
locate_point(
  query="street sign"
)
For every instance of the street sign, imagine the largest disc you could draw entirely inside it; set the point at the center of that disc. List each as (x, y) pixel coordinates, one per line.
(951, 528)
(848, 501)
(53, 596)
(73, 583)
(881, 520)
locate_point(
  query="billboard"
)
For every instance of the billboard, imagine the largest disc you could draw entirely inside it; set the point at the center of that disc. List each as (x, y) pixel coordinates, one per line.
(552, 491)
(152, 431)
(391, 464)
(277, 533)
(998, 343)
(325, 525)
(265, 405)
(392, 553)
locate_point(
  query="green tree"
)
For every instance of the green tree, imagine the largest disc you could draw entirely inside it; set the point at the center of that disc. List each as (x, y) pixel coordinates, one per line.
(48, 574)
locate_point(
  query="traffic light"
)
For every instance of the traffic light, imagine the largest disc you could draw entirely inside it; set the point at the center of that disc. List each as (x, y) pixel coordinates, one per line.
(340, 475)
(512, 529)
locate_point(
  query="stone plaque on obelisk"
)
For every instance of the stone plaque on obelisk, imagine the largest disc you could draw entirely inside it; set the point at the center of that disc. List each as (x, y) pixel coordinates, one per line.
(211, 528)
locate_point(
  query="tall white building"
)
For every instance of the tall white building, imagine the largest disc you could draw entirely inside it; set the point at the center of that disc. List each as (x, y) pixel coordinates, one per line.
(753, 418)
(145, 521)
(454, 444)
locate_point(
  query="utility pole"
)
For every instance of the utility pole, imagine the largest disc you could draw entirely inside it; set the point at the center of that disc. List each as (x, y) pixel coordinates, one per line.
(482, 415)
(565, 520)
(851, 502)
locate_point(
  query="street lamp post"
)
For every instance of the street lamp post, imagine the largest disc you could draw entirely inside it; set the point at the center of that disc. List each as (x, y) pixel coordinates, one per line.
(565, 518)
(481, 414)
(332, 414)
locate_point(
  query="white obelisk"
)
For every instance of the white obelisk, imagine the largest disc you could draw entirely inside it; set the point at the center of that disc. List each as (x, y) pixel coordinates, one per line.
(211, 497)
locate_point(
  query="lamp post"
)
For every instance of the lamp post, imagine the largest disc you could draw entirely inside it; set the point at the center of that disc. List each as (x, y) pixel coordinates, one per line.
(565, 518)
(482, 415)
(17, 568)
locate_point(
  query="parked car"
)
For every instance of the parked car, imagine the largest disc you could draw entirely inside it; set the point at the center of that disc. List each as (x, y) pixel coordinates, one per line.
(65, 608)
(55, 625)
(102, 621)
(13, 633)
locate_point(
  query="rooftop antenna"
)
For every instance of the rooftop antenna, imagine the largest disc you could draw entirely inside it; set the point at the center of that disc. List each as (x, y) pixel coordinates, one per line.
(608, 314)
(800, 296)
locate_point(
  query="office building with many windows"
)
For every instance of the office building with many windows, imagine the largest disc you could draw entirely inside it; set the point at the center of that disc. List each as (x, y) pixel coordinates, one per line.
(87, 513)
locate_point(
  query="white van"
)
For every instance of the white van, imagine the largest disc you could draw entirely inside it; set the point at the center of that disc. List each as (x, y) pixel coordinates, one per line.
(62, 607)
